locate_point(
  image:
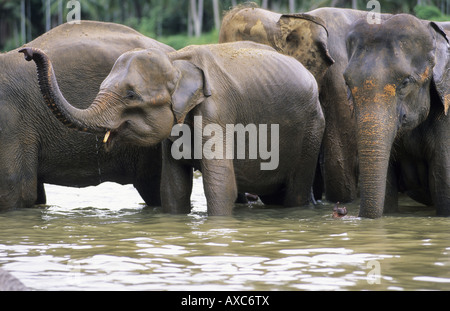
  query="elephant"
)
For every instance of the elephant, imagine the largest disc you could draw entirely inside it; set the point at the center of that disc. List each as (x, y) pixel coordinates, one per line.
(399, 85)
(301, 36)
(181, 98)
(445, 26)
(317, 40)
(37, 149)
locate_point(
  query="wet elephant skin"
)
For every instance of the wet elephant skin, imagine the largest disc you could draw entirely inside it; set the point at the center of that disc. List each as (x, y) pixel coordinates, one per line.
(37, 149)
(150, 94)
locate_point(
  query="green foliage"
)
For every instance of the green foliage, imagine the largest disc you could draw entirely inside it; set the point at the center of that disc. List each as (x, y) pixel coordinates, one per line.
(427, 12)
(181, 40)
(168, 20)
(443, 18)
(430, 12)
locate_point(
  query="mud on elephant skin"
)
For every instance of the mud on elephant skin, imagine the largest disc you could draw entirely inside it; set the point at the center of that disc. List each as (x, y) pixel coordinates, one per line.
(399, 81)
(207, 89)
(317, 40)
(301, 36)
(37, 149)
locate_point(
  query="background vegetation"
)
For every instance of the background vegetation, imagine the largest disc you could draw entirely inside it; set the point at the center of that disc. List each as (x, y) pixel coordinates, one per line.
(175, 22)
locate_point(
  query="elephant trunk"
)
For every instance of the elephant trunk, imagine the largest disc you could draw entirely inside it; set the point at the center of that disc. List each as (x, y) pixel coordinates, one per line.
(86, 120)
(376, 133)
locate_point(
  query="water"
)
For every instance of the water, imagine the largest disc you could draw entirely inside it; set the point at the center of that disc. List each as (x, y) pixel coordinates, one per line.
(104, 238)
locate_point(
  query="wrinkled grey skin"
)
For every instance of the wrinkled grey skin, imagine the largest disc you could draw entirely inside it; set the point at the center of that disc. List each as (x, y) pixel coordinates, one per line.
(445, 26)
(35, 148)
(147, 92)
(317, 40)
(399, 80)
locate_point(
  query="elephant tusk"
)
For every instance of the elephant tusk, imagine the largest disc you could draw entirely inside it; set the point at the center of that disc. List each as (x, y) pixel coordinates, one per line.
(105, 139)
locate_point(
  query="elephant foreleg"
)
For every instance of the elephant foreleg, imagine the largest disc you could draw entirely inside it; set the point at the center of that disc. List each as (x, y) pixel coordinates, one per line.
(391, 197)
(300, 184)
(176, 183)
(439, 177)
(219, 184)
(18, 190)
(41, 196)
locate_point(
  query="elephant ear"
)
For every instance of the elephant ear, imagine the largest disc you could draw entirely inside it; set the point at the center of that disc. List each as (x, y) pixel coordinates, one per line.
(191, 89)
(305, 37)
(441, 71)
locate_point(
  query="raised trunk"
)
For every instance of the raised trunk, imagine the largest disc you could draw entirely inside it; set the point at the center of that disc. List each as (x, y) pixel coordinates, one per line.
(87, 120)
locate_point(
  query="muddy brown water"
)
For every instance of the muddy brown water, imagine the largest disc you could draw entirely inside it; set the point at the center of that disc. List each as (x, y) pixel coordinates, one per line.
(104, 238)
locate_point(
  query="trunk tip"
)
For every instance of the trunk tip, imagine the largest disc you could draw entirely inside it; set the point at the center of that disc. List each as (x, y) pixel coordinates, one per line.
(28, 53)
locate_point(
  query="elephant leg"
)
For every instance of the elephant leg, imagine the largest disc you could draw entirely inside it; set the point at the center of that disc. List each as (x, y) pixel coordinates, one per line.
(219, 185)
(41, 196)
(391, 197)
(299, 185)
(318, 186)
(148, 185)
(298, 190)
(339, 163)
(148, 176)
(439, 179)
(176, 183)
(441, 184)
(18, 183)
(149, 190)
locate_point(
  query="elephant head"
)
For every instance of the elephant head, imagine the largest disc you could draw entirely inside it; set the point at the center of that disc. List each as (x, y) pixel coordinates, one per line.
(305, 37)
(397, 74)
(302, 36)
(138, 102)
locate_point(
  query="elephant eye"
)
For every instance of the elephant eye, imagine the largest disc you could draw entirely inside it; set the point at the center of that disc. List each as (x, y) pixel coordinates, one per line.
(406, 82)
(132, 95)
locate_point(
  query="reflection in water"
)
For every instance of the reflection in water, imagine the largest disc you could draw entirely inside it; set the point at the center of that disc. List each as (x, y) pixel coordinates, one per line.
(104, 238)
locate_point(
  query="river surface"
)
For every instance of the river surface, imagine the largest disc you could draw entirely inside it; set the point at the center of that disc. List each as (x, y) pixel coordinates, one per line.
(104, 238)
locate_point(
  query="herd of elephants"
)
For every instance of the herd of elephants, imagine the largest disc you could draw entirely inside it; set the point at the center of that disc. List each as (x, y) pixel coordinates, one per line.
(361, 108)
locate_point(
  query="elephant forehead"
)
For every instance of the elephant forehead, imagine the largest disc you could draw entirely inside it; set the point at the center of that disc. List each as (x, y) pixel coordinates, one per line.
(400, 31)
(141, 66)
(372, 91)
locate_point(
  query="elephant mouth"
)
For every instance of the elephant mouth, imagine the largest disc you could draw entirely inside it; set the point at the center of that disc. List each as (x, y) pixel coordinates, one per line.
(111, 135)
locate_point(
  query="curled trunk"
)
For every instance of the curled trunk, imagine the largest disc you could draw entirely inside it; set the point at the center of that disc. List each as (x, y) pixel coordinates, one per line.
(87, 120)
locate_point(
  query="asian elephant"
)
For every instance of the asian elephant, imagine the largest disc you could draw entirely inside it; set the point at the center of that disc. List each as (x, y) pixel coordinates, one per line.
(399, 84)
(182, 98)
(445, 26)
(302, 36)
(35, 148)
(317, 40)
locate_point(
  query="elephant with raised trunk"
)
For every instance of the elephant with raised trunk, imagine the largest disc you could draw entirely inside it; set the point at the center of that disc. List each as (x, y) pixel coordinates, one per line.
(151, 97)
(399, 83)
(35, 148)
